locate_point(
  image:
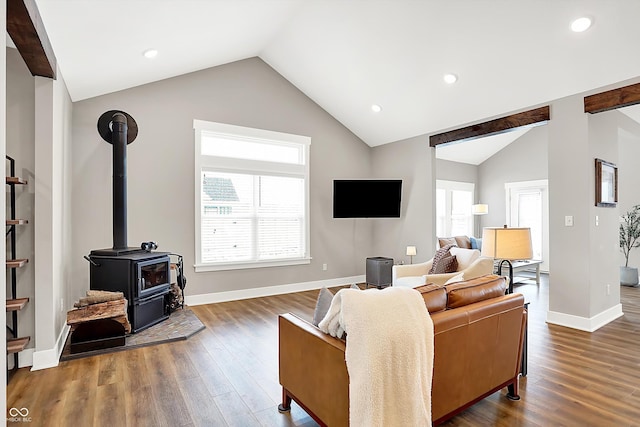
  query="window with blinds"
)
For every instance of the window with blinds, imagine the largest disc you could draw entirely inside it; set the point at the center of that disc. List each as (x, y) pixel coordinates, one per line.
(453, 208)
(252, 197)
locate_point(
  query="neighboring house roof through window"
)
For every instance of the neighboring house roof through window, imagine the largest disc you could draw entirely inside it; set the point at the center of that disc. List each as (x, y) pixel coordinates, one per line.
(219, 189)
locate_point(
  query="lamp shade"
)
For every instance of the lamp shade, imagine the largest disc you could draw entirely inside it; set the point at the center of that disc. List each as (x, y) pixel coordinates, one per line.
(507, 243)
(411, 250)
(480, 209)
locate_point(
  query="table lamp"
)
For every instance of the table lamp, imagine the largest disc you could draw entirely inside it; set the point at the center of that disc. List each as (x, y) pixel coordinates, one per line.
(411, 252)
(507, 244)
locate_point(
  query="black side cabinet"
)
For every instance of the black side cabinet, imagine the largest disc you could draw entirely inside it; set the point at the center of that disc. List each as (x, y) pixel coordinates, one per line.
(379, 272)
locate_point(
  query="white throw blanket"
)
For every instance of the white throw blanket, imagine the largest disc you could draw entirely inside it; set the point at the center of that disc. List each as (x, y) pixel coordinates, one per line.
(389, 355)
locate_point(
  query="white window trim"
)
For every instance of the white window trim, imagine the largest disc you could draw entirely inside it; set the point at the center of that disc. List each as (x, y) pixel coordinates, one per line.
(203, 162)
(448, 186)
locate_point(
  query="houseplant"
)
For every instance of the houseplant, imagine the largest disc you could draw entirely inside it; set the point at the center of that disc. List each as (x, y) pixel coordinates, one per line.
(629, 239)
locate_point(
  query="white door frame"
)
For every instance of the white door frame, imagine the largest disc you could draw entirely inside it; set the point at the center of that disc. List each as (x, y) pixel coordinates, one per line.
(543, 186)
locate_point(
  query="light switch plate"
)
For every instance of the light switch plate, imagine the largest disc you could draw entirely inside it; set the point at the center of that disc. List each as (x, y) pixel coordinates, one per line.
(568, 221)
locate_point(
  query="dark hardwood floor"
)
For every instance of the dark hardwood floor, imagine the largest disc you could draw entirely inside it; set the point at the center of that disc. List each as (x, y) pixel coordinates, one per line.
(227, 375)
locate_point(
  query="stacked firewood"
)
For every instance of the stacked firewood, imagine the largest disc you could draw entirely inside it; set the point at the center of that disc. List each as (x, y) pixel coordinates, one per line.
(100, 305)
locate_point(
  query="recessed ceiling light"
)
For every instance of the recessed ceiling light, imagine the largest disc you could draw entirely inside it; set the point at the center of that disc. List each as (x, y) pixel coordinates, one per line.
(450, 78)
(150, 53)
(581, 24)
(376, 108)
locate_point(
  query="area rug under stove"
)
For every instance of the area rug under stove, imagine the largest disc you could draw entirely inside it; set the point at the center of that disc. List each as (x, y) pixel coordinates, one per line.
(180, 325)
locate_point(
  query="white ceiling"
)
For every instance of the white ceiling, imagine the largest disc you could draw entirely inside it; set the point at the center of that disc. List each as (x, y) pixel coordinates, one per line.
(346, 55)
(477, 151)
(632, 112)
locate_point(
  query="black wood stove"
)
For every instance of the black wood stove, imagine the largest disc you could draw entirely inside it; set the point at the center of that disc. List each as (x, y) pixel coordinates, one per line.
(141, 274)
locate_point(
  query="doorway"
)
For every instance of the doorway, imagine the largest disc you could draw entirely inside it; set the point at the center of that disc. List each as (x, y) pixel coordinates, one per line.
(527, 204)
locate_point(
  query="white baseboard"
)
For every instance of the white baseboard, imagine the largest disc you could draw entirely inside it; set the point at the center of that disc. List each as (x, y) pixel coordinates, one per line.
(25, 357)
(269, 290)
(583, 323)
(50, 358)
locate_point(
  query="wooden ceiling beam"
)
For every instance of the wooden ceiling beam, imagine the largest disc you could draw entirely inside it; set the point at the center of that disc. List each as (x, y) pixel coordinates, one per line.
(531, 118)
(612, 99)
(27, 31)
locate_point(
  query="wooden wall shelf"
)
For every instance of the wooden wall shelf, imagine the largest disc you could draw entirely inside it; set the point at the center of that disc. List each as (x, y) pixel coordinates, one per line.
(16, 345)
(16, 304)
(16, 180)
(16, 263)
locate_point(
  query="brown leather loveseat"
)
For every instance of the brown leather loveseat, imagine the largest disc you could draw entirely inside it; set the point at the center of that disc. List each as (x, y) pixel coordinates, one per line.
(478, 338)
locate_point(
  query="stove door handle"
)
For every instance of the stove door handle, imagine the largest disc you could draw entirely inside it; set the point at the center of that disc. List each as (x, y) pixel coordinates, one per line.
(92, 262)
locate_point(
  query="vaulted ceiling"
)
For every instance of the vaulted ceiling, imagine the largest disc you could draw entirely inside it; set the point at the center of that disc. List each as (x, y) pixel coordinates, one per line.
(347, 55)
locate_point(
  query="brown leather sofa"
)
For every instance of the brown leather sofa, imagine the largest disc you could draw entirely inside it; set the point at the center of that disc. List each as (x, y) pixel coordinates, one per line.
(478, 338)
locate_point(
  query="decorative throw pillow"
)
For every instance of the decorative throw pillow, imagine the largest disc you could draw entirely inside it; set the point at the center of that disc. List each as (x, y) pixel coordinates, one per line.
(322, 305)
(440, 253)
(444, 241)
(476, 243)
(325, 296)
(447, 264)
(463, 242)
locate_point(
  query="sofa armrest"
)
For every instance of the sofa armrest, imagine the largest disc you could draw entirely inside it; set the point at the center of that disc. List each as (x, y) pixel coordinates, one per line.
(407, 270)
(480, 267)
(440, 279)
(313, 371)
(478, 350)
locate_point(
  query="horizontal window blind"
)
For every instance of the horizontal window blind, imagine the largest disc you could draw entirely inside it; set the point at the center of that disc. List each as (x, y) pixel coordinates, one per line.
(252, 207)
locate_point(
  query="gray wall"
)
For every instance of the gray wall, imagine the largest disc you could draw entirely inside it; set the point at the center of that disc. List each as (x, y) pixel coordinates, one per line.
(411, 160)
(20, 146)
(603, 233)
(52, 219)
(525, 159)
(161, 171)
(628, 174)
(581, 269)
(454, 171)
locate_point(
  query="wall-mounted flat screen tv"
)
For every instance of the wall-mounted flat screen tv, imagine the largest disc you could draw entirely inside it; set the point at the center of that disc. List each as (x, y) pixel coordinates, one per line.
(370, 198)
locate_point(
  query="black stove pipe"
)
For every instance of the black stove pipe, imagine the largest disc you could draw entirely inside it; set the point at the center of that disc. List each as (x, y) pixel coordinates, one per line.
(119, 141)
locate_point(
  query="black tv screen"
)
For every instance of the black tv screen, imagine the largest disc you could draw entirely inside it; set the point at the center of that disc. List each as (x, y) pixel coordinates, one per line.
(371, 198)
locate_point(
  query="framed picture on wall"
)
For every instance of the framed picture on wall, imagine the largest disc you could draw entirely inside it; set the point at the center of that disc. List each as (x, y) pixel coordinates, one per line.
(606, 184)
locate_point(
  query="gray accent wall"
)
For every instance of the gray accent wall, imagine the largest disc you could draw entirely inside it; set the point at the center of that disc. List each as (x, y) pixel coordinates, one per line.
(20, 146)
(628, 174)
(455, 171)
(584, 258)
(411, 160)
(525, 159)
(161, 171)
(52, 218)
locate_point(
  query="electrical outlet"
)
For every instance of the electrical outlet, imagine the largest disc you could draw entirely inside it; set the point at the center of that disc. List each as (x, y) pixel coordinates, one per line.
(568, 221)
(324, 267)
(597, 220)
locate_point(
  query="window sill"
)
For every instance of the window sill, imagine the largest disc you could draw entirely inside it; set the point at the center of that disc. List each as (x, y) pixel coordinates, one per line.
(254, 264)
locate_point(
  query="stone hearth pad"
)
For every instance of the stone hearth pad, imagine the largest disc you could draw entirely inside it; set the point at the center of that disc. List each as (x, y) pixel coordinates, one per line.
(182, 324)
